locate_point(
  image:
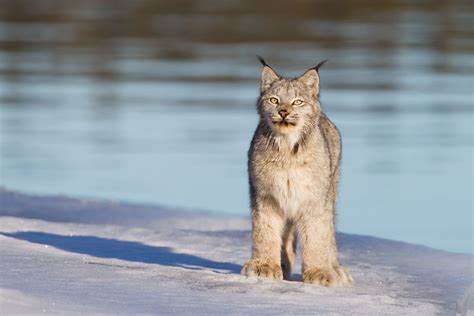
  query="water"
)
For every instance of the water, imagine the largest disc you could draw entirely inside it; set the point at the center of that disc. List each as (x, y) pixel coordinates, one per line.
(155, 102)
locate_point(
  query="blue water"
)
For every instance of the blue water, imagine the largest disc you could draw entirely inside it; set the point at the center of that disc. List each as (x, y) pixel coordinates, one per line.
(165, 114)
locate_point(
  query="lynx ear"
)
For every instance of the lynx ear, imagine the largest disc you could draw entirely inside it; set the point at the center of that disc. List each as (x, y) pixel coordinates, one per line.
(269, 76)
(311, 78)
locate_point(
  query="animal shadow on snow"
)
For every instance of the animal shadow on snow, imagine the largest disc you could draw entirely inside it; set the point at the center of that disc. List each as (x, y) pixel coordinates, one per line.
(124, 250)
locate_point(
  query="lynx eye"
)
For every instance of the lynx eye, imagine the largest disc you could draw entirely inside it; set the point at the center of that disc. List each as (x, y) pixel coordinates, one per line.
(297, 102)
(273, 100)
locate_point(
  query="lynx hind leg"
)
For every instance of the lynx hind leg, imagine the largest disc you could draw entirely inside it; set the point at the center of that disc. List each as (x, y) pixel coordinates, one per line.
(288, 251)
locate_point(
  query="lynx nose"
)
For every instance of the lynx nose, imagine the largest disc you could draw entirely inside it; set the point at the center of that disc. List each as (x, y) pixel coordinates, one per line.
(283, 113)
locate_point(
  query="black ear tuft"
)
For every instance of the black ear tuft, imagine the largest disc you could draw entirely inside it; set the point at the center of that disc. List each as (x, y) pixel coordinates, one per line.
(319, 65)
(262, 61)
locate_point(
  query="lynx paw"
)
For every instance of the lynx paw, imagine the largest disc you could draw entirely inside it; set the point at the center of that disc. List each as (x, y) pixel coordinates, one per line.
(262, 268)
(338, 276)
(324, 277)
(345, 276)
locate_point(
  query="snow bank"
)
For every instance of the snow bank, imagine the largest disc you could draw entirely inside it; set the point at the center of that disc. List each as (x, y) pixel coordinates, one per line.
(61, 255)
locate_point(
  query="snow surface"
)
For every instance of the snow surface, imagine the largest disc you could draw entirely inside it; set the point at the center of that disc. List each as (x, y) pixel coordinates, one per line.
(61, 255)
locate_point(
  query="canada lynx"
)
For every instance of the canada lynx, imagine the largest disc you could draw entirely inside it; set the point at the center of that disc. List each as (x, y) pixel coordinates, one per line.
(294, 165)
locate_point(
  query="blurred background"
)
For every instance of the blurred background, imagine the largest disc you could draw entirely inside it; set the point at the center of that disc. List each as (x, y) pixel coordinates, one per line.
(154, 102)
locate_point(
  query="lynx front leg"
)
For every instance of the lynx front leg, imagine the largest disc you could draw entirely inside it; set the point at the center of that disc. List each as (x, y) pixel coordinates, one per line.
(267, 226)
(320, 264)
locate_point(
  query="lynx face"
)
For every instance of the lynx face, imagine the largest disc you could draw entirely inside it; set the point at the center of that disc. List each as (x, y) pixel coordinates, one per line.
(286, 105)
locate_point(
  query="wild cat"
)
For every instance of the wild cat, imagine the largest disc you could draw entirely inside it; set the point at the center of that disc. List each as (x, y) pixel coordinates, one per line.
(294, 165)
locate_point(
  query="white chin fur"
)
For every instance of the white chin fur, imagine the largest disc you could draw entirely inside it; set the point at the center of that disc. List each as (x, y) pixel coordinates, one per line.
(286, 137)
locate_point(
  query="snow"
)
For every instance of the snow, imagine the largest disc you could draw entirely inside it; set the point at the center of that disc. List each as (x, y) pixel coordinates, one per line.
(62, 255)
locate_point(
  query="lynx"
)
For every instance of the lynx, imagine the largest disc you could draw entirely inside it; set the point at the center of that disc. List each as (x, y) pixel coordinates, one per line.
(294, 165)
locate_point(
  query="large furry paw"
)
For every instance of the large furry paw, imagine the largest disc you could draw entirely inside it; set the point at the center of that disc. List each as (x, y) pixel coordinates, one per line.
(337, 276)
(262, 268)
(324, 277)
(345, 277)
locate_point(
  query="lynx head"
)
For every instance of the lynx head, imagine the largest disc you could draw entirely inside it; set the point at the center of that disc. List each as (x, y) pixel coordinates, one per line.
(289, 105)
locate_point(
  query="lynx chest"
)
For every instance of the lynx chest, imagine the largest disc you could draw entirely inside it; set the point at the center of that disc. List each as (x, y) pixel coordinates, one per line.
(295, 183)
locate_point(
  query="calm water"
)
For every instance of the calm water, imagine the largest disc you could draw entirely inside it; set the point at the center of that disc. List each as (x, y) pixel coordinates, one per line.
(155, 102)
